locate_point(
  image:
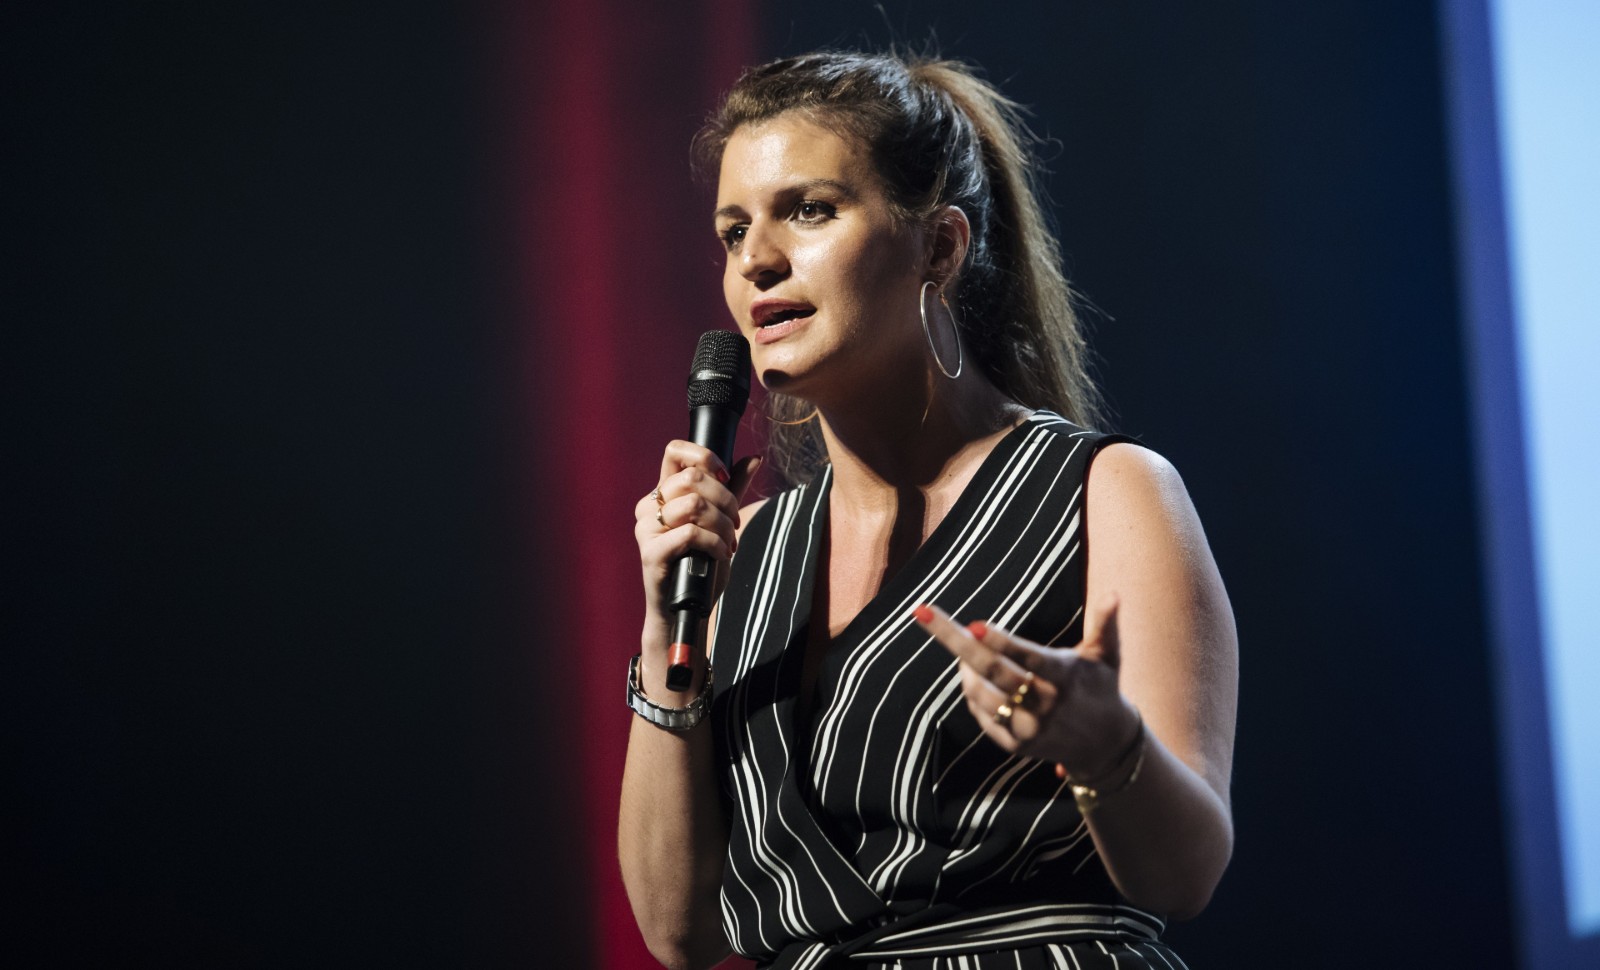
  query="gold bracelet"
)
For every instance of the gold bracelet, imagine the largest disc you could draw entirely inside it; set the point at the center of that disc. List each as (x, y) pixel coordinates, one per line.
(1088, 794)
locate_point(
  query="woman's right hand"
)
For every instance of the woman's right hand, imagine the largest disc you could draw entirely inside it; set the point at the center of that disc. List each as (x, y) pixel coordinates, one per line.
(694, 508)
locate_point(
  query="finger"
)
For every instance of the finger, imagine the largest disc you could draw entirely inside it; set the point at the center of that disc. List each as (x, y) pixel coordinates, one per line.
(686, 454)
(1044, 663)
(657, 512)
(1024, 653)
(1030, 704)
(645, 508)
(693, 508)
(1100, 642)
(697, 481)
(692, 497)
(1000, 676)
(983, 703)
(648, 532)
(660, 550)
(990, 664)
(697, 510)
(1012, 725)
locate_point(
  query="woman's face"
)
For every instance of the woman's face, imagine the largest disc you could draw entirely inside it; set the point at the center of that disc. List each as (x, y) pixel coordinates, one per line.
(820, 277)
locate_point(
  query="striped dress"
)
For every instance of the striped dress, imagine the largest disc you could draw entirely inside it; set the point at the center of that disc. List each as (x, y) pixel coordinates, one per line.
(890, 832)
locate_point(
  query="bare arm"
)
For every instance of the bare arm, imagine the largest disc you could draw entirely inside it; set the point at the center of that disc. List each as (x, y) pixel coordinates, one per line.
(672, 839)
(1158, 636)
(1168, 841)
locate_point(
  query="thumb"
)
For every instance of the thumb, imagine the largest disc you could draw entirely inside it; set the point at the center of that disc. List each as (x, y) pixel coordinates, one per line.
(1100, 642)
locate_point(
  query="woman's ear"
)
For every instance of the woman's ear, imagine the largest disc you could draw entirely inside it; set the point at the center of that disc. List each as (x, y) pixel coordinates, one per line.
(950, 234)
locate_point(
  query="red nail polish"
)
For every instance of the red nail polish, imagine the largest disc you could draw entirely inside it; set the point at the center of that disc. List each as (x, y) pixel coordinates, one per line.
(923, 614)
(722, 475)
(978, 629)
(1061, 771)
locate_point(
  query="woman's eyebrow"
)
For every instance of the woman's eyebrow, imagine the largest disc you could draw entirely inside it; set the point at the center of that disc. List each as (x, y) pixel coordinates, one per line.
(810, 185)
(805, 187)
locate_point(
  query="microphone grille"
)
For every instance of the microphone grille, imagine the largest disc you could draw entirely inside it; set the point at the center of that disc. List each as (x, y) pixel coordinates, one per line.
(720, 374)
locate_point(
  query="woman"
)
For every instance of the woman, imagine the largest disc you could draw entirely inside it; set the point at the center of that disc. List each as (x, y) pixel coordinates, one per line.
(946, 726)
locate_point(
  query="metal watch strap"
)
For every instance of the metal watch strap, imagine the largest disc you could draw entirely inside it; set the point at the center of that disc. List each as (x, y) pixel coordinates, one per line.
(671, 718)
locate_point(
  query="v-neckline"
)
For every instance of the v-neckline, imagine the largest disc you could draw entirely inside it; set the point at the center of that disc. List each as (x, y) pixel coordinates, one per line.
(809, 698)
(960, 510)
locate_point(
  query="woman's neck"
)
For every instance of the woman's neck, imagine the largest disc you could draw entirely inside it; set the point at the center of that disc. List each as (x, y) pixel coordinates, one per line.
(883, 444)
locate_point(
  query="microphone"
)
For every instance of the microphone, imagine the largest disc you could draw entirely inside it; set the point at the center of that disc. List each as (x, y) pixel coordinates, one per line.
(719, 386)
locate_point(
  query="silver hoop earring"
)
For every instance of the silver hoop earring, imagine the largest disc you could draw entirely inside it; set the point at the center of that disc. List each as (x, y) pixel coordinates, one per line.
(922, 308)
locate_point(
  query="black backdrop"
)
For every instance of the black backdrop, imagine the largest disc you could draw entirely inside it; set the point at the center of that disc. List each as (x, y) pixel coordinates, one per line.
(250, 482)
(260, 465)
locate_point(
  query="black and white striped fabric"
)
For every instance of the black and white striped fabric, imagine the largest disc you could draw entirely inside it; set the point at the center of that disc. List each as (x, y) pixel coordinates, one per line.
(889, 831)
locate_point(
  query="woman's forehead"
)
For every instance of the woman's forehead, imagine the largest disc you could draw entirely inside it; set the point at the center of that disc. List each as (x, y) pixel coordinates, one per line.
(790, 147)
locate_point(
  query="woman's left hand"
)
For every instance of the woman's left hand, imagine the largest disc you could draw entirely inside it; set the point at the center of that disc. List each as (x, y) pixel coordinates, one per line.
(1071, 711)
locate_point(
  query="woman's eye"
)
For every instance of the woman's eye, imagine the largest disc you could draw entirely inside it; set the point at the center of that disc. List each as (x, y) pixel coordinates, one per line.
(732, 236)
(813, 211)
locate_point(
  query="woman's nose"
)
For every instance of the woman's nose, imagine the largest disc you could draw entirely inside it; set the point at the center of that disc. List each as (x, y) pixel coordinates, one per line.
(761, 255)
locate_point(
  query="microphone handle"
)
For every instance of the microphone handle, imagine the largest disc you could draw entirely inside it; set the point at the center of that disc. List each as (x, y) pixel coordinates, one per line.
(686, 631)
(690, 597)
(714, 427)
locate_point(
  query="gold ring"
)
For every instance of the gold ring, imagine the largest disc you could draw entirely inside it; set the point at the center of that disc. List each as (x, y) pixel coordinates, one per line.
(1021, 693)
(657, 496)
(1002, 715)
(659, 520)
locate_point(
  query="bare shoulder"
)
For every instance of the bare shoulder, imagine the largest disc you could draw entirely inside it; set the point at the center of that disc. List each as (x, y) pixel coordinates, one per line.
(1142, 524)
(1126, 479)
(1135, 492)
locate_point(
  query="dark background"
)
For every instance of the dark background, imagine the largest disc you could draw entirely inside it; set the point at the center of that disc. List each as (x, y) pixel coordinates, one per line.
(279, 685)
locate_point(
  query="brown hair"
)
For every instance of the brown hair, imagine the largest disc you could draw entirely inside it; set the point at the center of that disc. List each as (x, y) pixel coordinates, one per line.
(938, 135)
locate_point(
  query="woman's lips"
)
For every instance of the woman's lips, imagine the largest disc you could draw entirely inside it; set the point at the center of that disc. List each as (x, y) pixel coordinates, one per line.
(776, 319)
(777, 331)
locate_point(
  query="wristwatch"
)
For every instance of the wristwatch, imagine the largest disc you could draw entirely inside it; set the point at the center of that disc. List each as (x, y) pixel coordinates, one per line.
(671, 718)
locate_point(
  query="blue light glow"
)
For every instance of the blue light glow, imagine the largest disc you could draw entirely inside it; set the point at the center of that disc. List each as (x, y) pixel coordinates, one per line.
(1547, 56)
